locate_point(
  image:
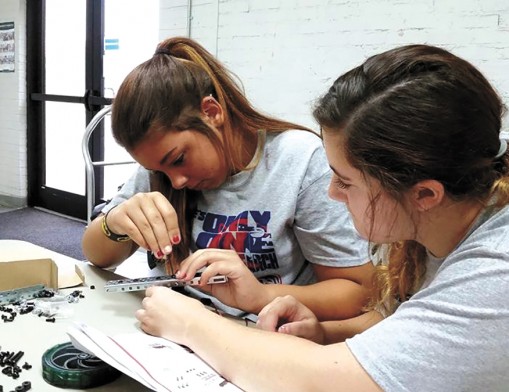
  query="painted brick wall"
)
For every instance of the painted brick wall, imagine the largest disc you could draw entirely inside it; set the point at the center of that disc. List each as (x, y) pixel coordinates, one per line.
(288, 52)
(13, 173)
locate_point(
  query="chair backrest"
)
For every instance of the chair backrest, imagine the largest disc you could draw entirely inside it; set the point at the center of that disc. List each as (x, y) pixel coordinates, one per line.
(90, 164)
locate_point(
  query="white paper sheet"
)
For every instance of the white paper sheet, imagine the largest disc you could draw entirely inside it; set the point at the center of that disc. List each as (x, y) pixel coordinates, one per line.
(157, 363)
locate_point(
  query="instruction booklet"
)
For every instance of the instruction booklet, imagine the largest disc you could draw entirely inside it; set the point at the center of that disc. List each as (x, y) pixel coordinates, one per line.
(157, 363)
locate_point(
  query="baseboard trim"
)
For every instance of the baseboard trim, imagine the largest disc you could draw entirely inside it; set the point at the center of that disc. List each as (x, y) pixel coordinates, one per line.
(12, 201)
(60, 215)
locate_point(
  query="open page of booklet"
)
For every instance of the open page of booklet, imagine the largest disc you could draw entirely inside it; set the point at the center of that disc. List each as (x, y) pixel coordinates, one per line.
(157, 363)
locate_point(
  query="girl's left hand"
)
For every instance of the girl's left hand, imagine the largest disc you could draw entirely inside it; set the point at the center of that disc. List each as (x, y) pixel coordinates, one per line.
(289, 316)
(242, 291)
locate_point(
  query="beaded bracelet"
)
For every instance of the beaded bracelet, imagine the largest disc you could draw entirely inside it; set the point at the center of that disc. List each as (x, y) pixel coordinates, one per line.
(111, 235)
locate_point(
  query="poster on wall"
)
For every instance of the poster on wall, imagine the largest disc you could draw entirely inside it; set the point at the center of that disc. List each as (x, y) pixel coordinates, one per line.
(7, 50)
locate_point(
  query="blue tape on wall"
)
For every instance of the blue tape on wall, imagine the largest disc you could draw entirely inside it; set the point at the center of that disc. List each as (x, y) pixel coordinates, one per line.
(111, 44)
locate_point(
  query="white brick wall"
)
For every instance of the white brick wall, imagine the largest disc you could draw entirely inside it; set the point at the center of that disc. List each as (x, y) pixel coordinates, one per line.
(288, 52)
(13, 124)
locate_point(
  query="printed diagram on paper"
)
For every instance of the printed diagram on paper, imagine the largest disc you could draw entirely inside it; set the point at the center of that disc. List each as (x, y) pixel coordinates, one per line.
(159, 364)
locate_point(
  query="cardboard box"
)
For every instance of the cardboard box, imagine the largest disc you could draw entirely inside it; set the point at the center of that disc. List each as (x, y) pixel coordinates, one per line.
(23, 264)
(24, 273)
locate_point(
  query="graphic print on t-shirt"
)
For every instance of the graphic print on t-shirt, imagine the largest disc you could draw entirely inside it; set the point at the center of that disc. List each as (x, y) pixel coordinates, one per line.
(246, 233)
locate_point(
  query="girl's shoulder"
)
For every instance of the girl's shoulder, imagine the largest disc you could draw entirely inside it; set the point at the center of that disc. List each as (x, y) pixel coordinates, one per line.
(296, 141)
(297, 153)
(483, 255)
(489, 233)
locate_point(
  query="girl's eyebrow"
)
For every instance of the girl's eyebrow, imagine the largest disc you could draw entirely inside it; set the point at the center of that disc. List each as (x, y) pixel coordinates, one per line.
(166, 156)
(164, 159)
(339, 175)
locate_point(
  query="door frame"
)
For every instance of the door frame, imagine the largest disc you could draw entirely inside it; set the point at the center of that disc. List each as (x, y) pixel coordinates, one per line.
(39, 195)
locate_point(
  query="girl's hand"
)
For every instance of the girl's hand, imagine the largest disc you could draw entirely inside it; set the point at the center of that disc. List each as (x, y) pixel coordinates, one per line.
(165, 312)
(242, 291)
(287, 315)
(149, 220)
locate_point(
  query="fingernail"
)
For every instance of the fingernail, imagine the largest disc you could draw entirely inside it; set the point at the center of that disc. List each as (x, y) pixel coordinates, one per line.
(175, 239)
(282, 329)
(159, 254)
(167, 249)
(179, 275)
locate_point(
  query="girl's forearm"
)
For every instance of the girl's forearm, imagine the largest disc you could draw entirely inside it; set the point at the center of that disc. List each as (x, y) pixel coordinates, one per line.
(339, 331)
(333, 299)
(257, 360)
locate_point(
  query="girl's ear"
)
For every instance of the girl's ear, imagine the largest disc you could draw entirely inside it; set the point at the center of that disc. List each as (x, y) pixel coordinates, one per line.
(212, 111)
(427, 194)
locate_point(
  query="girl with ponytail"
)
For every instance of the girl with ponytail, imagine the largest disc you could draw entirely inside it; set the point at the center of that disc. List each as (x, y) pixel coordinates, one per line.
(223, 186)
(413, 136)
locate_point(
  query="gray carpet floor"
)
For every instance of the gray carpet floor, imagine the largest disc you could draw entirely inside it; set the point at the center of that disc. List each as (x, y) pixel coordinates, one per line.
(51, 231)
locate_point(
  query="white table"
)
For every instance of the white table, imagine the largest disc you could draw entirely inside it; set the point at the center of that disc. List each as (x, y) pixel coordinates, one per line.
(109, 312)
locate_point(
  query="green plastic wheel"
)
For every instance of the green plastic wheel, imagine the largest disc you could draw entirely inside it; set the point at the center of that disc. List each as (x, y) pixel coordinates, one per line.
(65, 366)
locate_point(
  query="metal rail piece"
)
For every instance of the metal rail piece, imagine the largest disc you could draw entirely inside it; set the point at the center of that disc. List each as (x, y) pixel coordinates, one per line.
(126, 285)
(16, 295)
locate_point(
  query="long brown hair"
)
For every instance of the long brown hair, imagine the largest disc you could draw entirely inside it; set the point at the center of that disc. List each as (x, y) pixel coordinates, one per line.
(413, 113)
(165, 93)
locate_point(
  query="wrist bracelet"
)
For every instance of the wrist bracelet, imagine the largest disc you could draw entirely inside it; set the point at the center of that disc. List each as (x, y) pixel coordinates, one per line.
(111, 235)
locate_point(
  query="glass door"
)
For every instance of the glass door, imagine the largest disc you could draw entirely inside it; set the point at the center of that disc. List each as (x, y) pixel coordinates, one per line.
(130, 37)
(78, 52)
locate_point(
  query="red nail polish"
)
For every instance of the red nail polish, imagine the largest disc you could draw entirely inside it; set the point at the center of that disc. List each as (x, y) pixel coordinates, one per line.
(175, 239)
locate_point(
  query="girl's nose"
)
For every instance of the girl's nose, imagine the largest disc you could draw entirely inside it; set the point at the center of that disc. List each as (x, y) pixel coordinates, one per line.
(178, 180)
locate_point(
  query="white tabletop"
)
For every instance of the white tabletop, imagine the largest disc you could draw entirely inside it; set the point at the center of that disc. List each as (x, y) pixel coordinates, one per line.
(111, 313)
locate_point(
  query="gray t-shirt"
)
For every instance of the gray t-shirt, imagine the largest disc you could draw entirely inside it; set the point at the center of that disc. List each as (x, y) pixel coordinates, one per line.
(277, 215)
(453, 334)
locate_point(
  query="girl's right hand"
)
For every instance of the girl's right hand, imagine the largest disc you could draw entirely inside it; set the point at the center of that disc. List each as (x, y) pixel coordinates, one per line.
(289, 316)
(149, 220)
(242, 290)
(164, 312)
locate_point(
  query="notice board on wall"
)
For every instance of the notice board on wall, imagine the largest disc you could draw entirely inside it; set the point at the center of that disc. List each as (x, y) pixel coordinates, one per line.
(7, 47)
